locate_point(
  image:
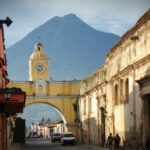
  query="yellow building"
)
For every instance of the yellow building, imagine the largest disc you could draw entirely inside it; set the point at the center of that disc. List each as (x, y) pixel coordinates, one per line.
(62, 95)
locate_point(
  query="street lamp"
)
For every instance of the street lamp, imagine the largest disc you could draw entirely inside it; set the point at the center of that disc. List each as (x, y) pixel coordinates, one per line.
(7, 21)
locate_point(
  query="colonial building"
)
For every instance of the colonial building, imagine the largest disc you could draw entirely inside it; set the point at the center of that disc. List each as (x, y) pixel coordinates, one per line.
(116, 97)
(12, 100)
(91, 102)
(3, 84)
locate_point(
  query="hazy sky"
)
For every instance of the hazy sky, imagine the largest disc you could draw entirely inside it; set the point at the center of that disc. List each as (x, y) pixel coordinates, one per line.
(115, 16)
(44, 110)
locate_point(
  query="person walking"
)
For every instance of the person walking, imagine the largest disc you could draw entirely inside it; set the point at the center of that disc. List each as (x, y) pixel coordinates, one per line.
(110, 141)
(117, 141)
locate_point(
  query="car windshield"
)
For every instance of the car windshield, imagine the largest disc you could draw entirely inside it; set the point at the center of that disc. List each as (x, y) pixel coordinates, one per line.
(56, 134)
(68, 135)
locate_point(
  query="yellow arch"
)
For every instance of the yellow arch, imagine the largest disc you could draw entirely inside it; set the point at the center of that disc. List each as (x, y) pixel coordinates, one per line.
(61, 95)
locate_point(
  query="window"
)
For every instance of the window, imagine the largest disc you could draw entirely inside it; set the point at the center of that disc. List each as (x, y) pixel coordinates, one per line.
(121, 90)
(118, 64)
(116, 95)
(90, 105)
(84, 103)
(40, 88)
(127, 90)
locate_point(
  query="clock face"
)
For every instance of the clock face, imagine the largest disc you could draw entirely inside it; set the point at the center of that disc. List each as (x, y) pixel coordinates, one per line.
(39, 68)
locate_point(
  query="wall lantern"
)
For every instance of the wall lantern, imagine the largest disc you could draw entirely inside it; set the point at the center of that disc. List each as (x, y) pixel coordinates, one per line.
(103, 110)
(12, 100)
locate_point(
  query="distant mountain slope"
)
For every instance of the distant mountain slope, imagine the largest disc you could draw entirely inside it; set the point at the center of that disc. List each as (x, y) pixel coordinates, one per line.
(74, 48)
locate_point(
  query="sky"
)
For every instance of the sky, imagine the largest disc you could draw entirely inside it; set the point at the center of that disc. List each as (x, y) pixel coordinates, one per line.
(115, 16)
(44, 110)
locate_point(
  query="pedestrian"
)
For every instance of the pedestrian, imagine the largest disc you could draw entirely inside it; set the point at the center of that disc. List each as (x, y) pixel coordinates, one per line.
(110, 141)
(117, 141)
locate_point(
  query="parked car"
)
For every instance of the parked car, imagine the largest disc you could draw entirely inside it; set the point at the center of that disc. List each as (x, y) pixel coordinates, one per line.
(55, 137)
(68, 138)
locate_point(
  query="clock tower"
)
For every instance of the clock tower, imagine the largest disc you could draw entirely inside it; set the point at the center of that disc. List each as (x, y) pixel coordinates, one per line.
(38, 64)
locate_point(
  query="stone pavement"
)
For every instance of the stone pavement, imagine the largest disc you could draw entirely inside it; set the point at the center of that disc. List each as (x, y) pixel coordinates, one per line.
(87, 147)
(83, 146)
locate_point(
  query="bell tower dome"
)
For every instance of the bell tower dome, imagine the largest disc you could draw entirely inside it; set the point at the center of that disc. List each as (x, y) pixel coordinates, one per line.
(38, 64)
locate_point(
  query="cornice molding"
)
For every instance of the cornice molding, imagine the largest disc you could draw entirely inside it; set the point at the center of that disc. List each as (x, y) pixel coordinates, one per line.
(95, 88)
(129, 68)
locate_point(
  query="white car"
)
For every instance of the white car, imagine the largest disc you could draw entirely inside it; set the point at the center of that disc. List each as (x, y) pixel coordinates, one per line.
(68, 138)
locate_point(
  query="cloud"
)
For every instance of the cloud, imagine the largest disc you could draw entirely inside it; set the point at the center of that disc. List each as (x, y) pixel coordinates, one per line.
(107, 15)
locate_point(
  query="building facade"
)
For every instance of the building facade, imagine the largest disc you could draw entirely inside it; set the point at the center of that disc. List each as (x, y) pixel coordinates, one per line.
(11, 99)
(3, 84)
(116, 97)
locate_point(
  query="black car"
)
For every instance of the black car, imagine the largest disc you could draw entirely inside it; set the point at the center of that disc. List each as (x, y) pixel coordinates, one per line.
(56, 137)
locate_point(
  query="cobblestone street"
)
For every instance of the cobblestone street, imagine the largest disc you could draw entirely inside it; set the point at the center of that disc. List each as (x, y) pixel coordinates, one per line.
(39, 144)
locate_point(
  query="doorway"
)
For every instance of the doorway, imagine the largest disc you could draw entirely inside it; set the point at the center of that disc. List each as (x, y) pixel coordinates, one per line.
(103, 127)
(146, 122)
